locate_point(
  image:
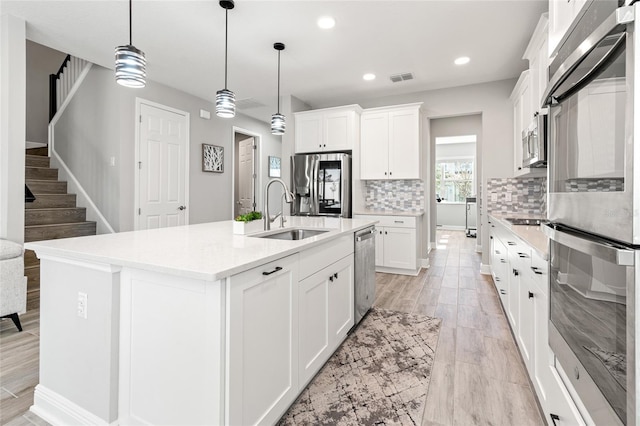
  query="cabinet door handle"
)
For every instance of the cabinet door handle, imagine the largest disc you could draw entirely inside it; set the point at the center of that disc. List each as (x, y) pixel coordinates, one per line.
(536, 270)
(335, 275)
(554, 417)
(385, 233)
(516, 273)
(331, 278)
(385, 173)
(497, 279)
(530, 295)
(276, 269)
(390, 173)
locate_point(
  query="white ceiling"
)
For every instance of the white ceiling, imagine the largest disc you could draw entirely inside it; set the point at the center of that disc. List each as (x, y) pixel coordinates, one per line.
(184, 43)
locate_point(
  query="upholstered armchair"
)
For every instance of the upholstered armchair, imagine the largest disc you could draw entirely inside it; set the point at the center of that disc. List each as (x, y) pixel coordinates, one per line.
(13, 283)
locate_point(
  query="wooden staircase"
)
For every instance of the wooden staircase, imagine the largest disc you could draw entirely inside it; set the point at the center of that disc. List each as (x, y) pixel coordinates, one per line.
(52, 215)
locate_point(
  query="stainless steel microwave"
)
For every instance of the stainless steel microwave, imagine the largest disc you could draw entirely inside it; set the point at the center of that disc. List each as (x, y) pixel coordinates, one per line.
(534, 143)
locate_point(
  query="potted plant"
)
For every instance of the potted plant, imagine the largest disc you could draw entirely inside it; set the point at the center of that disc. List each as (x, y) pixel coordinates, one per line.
(247, 223)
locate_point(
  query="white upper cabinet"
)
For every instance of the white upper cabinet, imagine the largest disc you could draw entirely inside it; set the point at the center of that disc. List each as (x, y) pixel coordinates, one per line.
(561, 14)
(527, 94)
(330, 129)
(538, 57)
(521, 98)
(390, 144)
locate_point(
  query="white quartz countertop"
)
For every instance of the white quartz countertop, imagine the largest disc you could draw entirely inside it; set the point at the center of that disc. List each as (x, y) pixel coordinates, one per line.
(390, 213)
(531, 235)
(207, 251)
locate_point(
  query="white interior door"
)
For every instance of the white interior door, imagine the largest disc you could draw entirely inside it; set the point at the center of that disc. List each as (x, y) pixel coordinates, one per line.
(246, 177)
(162, 167)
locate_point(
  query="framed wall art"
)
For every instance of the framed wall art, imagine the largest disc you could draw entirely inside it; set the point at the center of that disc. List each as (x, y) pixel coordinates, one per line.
(274, 166)
(212, 158)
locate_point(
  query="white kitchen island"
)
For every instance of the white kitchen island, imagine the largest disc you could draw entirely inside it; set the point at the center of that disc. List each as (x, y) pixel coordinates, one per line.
(190, 325)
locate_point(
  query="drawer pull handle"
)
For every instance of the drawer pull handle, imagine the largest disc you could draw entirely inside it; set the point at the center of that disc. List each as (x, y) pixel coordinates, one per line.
(398, 221)
(554, 417)
(503, 261)
(536, 270)
(497, 279)
(530, 295)
(516, 273)
(277, 268)
(502, 291)
(522, 255)
(511, 243)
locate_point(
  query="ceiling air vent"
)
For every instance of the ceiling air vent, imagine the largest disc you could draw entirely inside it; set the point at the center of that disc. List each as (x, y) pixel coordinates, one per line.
(397, 78)
(248, 103)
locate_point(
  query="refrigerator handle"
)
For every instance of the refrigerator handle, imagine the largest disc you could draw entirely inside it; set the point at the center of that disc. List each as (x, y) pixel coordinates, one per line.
(315, 181)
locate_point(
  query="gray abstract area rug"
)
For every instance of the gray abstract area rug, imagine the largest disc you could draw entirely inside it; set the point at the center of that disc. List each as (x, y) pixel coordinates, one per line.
(379, 376)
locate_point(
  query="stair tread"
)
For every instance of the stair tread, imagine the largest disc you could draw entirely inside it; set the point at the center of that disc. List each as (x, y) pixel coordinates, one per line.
(50, 225)
(43, 180)
(57, 208)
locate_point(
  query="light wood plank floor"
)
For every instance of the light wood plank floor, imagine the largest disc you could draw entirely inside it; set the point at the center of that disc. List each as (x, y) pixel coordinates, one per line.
(478, 376)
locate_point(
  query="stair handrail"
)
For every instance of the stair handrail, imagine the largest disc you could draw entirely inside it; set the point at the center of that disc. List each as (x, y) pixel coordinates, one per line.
(53, 87)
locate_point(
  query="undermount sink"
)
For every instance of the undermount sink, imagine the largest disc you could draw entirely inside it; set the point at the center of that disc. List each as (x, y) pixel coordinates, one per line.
(292, 234)
(523, 221)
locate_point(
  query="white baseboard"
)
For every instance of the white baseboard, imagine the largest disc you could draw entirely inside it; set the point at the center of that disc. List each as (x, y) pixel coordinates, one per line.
(425, 263)
(58, 410)
(485, 269)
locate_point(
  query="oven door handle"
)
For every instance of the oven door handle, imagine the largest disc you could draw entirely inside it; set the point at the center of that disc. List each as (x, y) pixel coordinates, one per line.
(616, 21)
(590, 245)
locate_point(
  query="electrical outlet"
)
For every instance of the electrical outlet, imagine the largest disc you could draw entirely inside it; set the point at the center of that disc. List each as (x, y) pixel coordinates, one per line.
(82, 305)
(494, 196)
(507, 196)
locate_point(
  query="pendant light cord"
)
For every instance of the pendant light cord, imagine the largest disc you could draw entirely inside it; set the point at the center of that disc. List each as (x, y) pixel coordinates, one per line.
(278, 82)
(226, 32)
(130, 8)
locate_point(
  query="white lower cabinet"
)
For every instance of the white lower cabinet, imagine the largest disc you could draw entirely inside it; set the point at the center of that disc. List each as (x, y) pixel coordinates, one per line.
(284, 321)
(521, 280)
(397, 247)
(326, 315)
(262, 342)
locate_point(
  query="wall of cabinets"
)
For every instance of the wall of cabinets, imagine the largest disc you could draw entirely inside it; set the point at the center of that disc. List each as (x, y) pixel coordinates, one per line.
(397, 244)
(520, 275)
(390, 143)
(330, 129)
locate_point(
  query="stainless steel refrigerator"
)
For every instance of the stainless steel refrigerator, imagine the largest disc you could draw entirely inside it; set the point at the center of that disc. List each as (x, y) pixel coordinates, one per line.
(321, 184)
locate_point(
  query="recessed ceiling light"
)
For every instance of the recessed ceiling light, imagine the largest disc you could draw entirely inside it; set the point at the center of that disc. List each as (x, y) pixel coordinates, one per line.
(369, 77)
(462, 60)
(326, 22)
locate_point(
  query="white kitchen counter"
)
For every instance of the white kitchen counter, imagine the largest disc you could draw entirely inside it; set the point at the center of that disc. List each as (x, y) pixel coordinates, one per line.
(532, 235)
(207, 251)
(417, 213)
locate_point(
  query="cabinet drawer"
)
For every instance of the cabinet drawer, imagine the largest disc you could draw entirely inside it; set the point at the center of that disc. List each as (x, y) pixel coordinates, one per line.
(266, 271)
(314, 259)
(394, 221)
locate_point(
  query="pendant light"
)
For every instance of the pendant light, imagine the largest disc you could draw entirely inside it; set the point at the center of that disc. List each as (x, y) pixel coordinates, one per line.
(277, 120)
(225, 98)
(130, 63)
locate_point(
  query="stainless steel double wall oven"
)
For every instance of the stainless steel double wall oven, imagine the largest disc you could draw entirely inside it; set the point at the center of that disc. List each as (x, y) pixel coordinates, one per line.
(594, 210)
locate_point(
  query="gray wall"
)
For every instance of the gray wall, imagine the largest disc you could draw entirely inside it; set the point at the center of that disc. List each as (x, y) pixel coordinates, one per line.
(100, 123)
(41, 61)
(495, 142)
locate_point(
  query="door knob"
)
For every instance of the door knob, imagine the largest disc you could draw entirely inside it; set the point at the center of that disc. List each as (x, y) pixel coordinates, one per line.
(182, 208)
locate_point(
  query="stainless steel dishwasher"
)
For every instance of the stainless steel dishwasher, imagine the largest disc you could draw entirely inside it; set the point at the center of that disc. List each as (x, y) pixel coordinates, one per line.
(365, 274)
